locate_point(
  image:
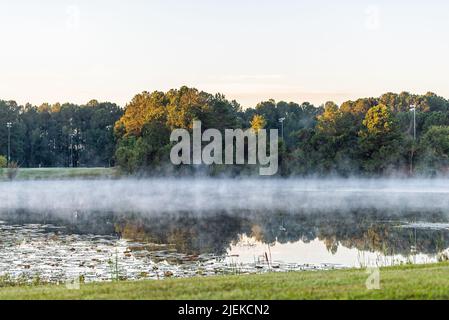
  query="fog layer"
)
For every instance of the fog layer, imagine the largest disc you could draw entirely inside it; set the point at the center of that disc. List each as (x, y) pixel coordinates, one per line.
(208, 196)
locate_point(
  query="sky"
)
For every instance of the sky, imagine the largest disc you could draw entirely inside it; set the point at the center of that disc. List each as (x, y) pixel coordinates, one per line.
(317, 51)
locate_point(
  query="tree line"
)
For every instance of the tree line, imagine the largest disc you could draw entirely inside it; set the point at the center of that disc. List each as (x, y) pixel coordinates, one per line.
(66, 135)
(369, 136)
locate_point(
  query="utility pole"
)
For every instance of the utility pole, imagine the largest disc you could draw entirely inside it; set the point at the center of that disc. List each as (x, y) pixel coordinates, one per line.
(281, 120)
(71, 142)
(413, 108)
(9, 125)
(71, 151)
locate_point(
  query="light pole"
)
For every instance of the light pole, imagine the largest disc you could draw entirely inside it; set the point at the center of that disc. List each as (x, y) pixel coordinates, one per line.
(281, 120)
(71, 142)
(71, 151)
(413, 109)
(9, 125)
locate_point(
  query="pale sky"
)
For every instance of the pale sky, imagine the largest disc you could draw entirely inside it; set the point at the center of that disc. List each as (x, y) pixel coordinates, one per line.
(317, 50)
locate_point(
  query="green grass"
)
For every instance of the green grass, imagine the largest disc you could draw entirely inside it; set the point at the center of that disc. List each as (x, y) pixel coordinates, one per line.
(405, 282)
(60, 173)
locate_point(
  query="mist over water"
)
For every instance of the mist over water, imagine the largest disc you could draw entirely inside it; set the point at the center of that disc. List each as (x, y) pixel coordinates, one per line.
(185, 225)
(206, 196)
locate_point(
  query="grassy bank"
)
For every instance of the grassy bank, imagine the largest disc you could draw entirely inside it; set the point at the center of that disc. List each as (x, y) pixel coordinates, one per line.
(60, 173)
(405, 282)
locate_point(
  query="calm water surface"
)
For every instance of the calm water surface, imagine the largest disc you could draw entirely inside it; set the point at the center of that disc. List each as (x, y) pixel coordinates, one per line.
(101, 230)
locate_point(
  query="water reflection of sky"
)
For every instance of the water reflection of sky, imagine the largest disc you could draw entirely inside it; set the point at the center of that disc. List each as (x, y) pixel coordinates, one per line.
(248, 250)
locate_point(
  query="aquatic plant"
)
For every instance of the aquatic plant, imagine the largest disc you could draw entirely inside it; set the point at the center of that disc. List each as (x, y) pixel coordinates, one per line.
(7, 280)
(113, 264)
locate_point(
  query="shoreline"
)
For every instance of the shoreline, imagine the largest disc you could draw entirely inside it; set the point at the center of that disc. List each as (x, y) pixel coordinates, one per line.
(401, 282)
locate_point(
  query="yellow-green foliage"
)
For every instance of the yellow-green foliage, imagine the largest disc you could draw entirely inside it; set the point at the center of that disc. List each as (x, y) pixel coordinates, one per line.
(378, 120)
(258, 123)
(3, 162)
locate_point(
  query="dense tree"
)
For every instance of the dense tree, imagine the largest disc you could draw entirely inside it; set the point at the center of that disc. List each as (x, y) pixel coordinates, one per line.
(380, 141)
(434, 155)
(144, 130)
(3, 162)
(372, 136)
(297, 117)
(59, 135)
(367, 136)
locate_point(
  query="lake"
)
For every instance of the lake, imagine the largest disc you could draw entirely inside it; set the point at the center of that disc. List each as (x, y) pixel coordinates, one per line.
(103, 230)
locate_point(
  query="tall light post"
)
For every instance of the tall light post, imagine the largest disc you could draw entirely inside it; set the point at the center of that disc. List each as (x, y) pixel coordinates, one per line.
(413, 109)
(281, 120)
(71, 151)
(71, 142)
(9, 125)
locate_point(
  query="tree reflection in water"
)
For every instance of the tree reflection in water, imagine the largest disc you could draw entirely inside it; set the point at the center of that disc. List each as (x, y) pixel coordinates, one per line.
(215, 232)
